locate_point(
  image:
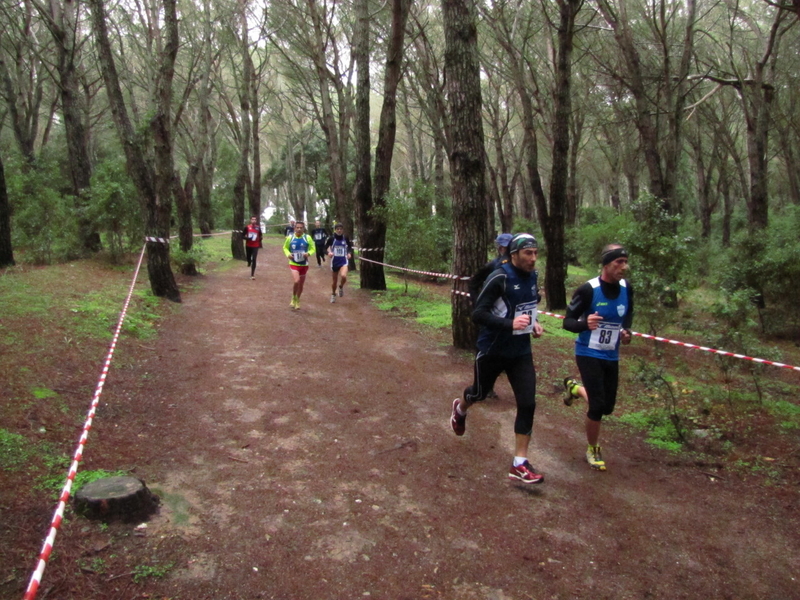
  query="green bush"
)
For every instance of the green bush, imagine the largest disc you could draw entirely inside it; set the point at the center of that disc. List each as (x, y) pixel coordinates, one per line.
(44, 227)
(662, 261)
(115, 208)
(416, 238)
(599, 226)
(765, 266)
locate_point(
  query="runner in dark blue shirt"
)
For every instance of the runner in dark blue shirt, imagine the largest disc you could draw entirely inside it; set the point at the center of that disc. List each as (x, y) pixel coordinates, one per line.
(340, 249)
(506, 310)
(319, 235)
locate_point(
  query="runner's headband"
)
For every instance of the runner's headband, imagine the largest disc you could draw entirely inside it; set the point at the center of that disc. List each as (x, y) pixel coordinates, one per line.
(522, 241)
(610, 256)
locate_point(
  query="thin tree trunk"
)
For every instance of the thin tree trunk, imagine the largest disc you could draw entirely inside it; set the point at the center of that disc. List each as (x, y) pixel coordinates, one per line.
(372, 226)
(156, 207)
(467, 157)
(6, 250)
(371, 274)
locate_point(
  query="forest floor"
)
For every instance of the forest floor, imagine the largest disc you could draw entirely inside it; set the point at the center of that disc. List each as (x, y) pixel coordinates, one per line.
(308, 455)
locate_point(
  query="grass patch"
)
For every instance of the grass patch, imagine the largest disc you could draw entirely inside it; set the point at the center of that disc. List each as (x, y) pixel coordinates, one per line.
(413, 301)
(157, 571)
(15, 451)
(661, 433)
(54, 482)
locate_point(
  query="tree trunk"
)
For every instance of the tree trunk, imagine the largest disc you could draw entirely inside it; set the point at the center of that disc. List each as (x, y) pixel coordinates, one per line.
(242, 183)
(467, 156)
(205, 161)
(372, 276)
(553, 221)
(335, 144)
(183, 200)
(6, 250)
(154, 194)
(758, 103)
(63, 25)
(372, 227)
(573, 199)
(727, 204)
(255, 112)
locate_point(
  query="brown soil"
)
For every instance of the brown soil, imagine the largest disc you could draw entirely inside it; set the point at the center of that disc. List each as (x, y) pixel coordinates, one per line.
(308, 455)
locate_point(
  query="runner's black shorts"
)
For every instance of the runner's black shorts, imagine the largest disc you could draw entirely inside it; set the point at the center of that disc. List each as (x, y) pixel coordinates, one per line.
(600, 379)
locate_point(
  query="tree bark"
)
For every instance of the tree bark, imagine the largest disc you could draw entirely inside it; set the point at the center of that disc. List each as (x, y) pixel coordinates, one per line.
(62, 21)
(154, 187)
(6, 249)
(334, 137)
(372, 276)
(467, 157)
(553, 217)
(661, 146)
(183, 201)
(372, 225)
(242, 184)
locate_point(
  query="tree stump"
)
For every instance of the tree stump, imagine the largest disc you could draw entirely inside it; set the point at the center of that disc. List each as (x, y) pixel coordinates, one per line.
(124, 498)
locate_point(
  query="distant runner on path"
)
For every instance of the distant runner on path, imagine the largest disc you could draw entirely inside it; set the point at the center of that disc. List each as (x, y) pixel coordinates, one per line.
(601, 313)
(340, 249)
(506, 311)
(320, 235)
(297, 249)
(252, 235)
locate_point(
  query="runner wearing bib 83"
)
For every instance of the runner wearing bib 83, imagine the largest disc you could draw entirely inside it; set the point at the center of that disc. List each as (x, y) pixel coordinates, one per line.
(601, 313)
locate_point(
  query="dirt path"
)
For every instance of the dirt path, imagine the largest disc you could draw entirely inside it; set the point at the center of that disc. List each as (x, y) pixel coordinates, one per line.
(307, 455)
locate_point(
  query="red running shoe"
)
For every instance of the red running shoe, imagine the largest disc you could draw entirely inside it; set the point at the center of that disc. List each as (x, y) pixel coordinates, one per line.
(525, 473)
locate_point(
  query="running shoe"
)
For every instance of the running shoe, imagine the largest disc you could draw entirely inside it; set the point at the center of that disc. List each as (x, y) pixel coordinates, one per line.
(491, 394)
(595, 458)
(458, 421)
(251, 277)
(571, 386)
(341, 291)
(297, 304)
(525, 473)
(333, 298)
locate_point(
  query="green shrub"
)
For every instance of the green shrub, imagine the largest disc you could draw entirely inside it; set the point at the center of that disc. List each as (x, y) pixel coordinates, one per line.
(764, 266)
(416, 238)
(115, 208)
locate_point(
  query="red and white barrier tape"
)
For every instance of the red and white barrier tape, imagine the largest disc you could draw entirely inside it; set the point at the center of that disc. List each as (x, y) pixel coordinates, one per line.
(156, 239)
(370, 249)
(442, 275)
(47, 548)
(697, 347)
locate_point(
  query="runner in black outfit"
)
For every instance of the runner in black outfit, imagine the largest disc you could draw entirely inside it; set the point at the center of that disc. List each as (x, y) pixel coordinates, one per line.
(477, 280)
(506, 312)
(601, 313)
(319, 235)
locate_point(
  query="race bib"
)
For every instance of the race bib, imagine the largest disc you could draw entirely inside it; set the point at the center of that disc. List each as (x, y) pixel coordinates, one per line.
(318, 236)
(605, 336)
(299, 257)
(339, 251)
(526, 308)
(252, 236)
